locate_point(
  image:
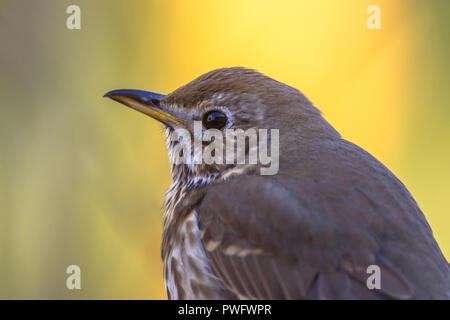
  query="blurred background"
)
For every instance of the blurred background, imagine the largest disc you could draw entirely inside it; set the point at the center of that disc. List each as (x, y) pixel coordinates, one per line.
(82, 178)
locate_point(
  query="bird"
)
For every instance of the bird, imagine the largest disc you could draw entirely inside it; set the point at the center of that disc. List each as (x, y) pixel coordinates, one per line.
(310, 231)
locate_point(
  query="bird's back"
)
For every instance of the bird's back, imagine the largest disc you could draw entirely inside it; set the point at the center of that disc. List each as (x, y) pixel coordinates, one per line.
(365, 207)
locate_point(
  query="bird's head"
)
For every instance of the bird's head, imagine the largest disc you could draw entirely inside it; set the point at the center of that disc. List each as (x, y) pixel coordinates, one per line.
(221, 101)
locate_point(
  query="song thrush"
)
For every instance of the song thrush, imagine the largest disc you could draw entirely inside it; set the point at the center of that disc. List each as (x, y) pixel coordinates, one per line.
(311, 230)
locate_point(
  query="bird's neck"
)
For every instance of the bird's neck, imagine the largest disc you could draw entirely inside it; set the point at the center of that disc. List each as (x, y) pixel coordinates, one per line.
(184, 180)
(189, 176)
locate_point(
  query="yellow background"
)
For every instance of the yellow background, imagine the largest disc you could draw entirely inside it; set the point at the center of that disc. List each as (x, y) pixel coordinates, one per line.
(82, 178)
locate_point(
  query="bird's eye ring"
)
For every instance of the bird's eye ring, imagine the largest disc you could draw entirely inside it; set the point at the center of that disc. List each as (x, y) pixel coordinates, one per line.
(215, 120)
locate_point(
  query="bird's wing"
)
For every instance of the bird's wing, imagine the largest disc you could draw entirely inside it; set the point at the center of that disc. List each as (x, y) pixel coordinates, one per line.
(265, 242)
(312, 231)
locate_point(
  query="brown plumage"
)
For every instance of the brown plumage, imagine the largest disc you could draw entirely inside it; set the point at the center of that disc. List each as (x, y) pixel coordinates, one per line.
(308, 232)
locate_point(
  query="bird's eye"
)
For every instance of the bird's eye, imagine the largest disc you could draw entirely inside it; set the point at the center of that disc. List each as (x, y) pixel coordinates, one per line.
(215, 119)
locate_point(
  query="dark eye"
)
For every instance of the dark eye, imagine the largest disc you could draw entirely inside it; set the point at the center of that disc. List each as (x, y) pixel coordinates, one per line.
(215, 119)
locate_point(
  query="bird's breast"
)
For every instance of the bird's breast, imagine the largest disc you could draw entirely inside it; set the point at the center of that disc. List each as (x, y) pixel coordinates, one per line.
(187, 274)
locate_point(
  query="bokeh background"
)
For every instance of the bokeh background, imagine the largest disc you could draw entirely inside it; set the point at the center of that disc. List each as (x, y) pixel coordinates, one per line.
(82, 178)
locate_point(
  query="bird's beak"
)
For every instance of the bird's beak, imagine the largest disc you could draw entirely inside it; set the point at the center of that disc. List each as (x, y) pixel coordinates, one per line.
(144, 101)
